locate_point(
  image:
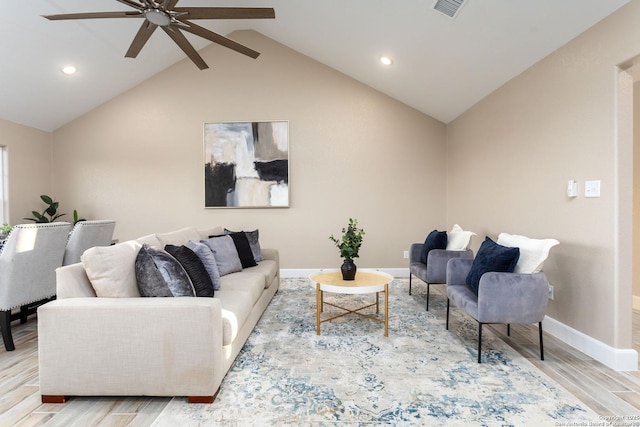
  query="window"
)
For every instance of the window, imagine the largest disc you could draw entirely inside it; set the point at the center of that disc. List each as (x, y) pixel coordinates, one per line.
(4, 186)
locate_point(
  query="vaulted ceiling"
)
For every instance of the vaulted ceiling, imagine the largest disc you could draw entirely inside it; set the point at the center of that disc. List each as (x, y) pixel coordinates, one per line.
(441, 66)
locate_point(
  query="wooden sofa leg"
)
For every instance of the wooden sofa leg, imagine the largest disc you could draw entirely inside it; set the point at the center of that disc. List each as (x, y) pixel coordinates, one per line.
(203, 399)
(5, 328)
(24, 313)
(53, 398)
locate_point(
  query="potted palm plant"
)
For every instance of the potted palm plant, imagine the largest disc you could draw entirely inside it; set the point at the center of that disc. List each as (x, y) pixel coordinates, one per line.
(349, 247)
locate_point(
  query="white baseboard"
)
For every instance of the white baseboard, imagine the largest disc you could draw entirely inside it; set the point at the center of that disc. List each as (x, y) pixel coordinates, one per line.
(614, 358)
(400, 273)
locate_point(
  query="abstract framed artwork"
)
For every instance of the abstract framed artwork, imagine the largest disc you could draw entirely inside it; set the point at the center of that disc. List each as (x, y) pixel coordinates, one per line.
(246, 164)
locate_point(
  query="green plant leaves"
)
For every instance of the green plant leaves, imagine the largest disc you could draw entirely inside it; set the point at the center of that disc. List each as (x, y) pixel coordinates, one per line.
(51, 211)
(351, 240)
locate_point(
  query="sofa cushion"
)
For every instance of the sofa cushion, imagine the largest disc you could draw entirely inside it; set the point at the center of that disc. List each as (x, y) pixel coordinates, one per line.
(244, 249)
(160, 275)
(194, 268)
(206, 256)
(491, 257)
(225, 253)
(268, 268)
(254, 242)
(435, 240)
(178, 237)
(533, 252)
(459, 239)
(111, 269)
(236, 307)
(250, 282)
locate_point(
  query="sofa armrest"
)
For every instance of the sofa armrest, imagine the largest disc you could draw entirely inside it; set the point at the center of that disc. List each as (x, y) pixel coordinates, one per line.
(72, 282)
(512, 298)
(271, 254)
(458, 270)
(130, 346)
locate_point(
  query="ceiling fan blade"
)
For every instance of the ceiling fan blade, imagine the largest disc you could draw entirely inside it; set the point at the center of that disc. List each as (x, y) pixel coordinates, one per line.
(227, 12)
(217, 38)
(170, 4)
(134, 4)
(146, 29)
(94, 15)
(186, 47)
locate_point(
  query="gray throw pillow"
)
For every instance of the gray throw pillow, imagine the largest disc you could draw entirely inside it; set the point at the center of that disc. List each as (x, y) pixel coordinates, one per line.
(206, 256)
(160, 275)
(225, 253)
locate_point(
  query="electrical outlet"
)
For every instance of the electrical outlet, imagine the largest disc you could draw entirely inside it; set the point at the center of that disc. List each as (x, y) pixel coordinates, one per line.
(406, 254)
(550, 291)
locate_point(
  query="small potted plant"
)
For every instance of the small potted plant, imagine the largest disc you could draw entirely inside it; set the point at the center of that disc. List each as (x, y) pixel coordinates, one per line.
(349, 247)
(50, 214)
(5, 229)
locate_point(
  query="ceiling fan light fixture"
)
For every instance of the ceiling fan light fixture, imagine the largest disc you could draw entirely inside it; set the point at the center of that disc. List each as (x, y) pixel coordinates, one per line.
(69, 70)
(157, 17)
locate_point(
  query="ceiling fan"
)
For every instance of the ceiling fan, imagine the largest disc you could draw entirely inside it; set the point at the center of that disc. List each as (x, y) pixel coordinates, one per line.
(173, 20)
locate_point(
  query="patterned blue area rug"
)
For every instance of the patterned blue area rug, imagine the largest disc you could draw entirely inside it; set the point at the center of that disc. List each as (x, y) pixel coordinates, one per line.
(352, 375)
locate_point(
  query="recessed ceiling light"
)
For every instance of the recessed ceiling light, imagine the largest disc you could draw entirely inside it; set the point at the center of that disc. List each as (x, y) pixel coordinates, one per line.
(69, 70)
(386, 60)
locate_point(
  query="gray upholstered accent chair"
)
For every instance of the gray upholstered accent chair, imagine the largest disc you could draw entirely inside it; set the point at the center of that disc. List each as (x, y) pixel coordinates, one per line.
(435, 270)
(502, 297)
(28, 261)
(85, 235)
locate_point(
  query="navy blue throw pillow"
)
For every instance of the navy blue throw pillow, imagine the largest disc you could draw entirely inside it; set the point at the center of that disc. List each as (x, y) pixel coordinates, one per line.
(491, 257)
(435, 240)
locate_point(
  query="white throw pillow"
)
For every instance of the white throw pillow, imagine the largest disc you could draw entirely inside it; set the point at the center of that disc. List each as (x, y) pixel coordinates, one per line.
(213, 231)
(111, 269)
(178, 237)
(533, 252)
(458, 239)
(150, 240)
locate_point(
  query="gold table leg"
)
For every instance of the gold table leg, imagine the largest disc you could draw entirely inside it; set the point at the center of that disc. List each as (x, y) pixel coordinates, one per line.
(318, 307)
(386, 309)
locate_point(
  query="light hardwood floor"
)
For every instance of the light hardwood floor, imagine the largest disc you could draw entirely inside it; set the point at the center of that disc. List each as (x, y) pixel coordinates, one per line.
(604, 390)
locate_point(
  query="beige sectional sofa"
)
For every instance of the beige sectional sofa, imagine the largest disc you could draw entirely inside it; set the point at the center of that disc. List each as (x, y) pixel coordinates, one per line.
(135, 346)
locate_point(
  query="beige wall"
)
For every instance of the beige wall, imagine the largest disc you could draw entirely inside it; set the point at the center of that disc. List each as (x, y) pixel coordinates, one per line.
(30, 169)
(353, 151)
(510, 156)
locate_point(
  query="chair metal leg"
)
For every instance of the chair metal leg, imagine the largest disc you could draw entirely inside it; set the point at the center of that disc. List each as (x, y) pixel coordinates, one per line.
(409, 283)
(447, 314)
(428, 296)
(541, 347)
(5, 327)
(479, 342)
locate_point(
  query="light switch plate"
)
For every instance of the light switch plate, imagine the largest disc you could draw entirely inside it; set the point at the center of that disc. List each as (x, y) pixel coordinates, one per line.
(572, 188)
(592, 188)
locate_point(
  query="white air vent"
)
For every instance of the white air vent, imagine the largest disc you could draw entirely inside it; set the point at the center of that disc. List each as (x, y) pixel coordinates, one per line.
(448, 7)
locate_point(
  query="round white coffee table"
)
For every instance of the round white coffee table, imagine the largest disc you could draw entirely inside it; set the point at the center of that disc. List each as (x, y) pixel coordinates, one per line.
(366, 281)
